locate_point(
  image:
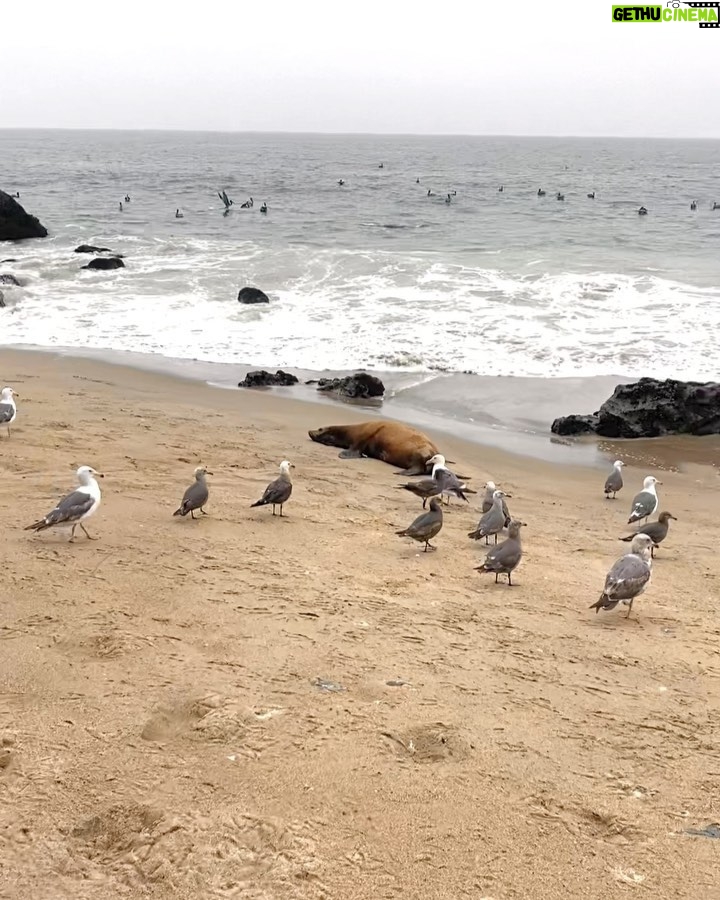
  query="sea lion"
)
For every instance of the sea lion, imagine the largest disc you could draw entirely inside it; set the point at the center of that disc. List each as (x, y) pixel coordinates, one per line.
(390, 442)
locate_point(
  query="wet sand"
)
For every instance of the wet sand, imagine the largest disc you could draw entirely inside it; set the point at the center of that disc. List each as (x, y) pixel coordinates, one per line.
(308, 707)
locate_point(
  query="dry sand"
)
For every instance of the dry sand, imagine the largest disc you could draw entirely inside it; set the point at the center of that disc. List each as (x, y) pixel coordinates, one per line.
(163, 734)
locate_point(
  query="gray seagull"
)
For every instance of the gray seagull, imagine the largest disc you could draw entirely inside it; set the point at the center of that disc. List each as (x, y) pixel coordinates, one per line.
(196, 496)
(278, 492)
(493, 521)
(628, 577)
(614, 481)
(75, 507)
(426, 526)
(646, 502)
(505, 557)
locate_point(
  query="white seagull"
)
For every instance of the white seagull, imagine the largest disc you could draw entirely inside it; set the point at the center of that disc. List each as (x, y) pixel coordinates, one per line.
(8, 409)
(646, 502)
(75, 507)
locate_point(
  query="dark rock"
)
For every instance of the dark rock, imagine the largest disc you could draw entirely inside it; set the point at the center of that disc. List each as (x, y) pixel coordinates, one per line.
(267, 379)
(9, 279)
(360, 385)
(15, 223)
(252, 295)
(2, 301)
(574, 425)
(7, 261)
(105, 262)
(651, 408)
(88, 248)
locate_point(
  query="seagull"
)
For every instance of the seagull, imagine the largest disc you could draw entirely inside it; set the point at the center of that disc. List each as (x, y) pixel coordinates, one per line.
(278, 492)
(505, 557)
(488, 501)
(614, 481)
(658, 531)
(75, 507)
(8, 409)
(196, 496)
(628, 577)
(449, 482)
(426, 526)
(493, 521)
(646, 502)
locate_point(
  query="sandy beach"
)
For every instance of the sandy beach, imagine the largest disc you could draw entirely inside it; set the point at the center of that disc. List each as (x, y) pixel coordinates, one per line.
(309, 707)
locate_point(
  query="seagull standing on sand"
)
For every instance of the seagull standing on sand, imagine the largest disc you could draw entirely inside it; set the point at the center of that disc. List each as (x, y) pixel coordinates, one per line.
(487, 502)
(426, 526)
(646, 502)
(8, 409)
(278, 492)
(493, 521)
(196, 496)
(505, 558)
(629, 577)
(658, 531)
(449, 482)
(614, 481)
(75, 507)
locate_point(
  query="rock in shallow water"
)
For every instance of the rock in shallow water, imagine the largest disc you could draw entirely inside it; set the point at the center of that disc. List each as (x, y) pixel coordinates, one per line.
(105, 262)
(15, 223)
(651, 408)
(9, 279)
(261, 378)
(89, 248)
(252, 295)
(360, 385)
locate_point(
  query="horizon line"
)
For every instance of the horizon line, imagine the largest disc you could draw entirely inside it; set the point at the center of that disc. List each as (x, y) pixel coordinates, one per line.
(439, 134)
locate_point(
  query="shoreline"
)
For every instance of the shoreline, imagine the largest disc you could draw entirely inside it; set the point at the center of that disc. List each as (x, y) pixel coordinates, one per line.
(529, 400)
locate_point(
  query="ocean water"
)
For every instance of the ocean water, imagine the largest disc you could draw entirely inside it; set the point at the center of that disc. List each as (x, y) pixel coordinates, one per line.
(376, 273)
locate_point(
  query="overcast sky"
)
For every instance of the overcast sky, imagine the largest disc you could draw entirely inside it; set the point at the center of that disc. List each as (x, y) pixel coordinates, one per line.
(557, 67)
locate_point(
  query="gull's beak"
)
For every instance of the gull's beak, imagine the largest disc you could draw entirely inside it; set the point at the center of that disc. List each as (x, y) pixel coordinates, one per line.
(674, 518)
(207, 472)
(658, 482)
(509, 495)
(98, 474)
(15, 394)
(292, 465)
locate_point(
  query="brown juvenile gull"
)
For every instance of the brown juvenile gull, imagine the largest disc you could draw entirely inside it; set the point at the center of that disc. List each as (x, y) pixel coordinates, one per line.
(614, 481)
(488, 501)
(278, 492)
(8, 409)
(426, 526)
(628, 577)
(75, 507)
(505, 557)
(492, 522)
(658, 531)
(196, 496)
(646, 502)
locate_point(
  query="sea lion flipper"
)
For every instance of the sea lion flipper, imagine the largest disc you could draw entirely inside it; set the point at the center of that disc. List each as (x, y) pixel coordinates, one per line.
(350, 454)
(413, 470)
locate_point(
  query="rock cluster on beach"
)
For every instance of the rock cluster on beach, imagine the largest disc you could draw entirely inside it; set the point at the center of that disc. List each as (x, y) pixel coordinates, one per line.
(15, 223)
(651, 408)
